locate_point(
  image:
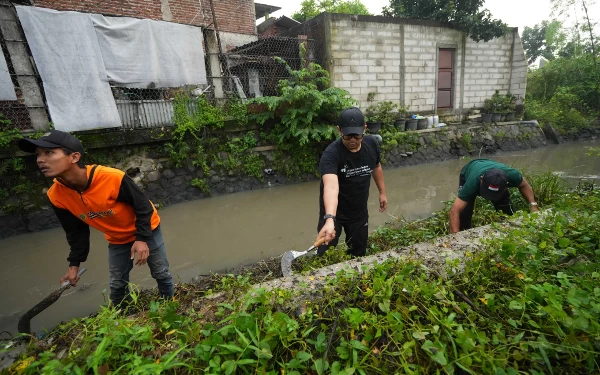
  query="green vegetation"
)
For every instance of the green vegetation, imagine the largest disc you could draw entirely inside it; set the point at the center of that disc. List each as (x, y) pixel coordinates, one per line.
(467, 16)
(312, 8)
(8, 133)
(525, 302)
(499, 103)
(306, 108)
(466, 141)
(565, 91)
(392, 138)
(200, 184)
(383, 112)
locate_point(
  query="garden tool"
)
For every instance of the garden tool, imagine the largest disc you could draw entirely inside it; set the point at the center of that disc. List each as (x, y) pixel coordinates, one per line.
(24, 325)
(289, 256)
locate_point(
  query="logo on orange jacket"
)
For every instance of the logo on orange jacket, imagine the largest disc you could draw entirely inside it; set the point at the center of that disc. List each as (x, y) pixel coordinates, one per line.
(95, 215)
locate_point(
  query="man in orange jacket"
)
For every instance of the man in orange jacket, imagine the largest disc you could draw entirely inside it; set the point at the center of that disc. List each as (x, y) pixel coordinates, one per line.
(85, 196)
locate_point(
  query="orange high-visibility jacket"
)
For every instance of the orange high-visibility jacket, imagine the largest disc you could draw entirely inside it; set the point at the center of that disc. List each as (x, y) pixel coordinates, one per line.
(111, 202)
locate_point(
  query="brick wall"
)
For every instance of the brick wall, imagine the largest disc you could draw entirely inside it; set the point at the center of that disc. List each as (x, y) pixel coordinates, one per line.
(234, 16)
(272, 30)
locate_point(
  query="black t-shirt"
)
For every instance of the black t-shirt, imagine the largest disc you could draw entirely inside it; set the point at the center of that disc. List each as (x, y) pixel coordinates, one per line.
(354, 171)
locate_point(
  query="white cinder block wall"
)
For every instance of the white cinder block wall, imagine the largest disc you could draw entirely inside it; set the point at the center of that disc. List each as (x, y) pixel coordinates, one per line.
(365, 58)
(398, 60)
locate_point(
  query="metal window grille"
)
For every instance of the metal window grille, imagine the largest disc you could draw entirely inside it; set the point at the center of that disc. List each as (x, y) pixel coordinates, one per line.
(247, 71)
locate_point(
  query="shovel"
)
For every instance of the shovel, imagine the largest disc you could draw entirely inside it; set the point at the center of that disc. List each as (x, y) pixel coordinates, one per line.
(289, 256)
(24, 325)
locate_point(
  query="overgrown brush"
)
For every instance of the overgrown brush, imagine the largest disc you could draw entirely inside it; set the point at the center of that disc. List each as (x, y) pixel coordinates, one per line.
(534, 309)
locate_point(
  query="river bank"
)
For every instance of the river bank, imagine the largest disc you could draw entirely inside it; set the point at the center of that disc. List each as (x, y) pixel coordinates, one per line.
(523, 307)
(169, 176)
(224, 233)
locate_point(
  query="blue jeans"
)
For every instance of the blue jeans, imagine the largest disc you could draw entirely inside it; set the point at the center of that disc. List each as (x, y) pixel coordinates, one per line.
(120, 263)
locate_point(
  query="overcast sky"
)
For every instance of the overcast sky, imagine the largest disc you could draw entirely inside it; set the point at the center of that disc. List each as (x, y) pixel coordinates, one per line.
(516, 13)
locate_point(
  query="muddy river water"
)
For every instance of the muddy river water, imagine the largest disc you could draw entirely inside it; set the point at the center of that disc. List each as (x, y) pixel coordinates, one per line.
(223, 232)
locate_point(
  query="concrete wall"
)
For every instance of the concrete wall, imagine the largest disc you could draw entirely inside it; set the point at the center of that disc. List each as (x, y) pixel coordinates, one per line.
(231, 40)
(398, 59)
(421, 45)
(365, 57)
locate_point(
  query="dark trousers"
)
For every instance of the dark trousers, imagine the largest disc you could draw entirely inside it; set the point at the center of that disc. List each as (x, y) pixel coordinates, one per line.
(357, 232)
(120, 263)
(503, 204)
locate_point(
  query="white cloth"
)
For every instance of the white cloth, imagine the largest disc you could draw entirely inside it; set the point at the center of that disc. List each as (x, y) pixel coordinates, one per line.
(78, 54)
(67, 55)
(7, 89)
(146, 53)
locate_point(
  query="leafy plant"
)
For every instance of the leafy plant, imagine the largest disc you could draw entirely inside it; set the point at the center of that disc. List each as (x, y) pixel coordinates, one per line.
(564, 111)
(8, 133)
(192, 116)
(470, 17)
(306, 108)
(312, 8)
(466, 141)
(381, 112)
(524, 301)
(200, 184)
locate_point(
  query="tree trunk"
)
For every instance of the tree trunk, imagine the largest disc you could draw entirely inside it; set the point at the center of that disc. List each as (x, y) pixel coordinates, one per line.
(587, 18)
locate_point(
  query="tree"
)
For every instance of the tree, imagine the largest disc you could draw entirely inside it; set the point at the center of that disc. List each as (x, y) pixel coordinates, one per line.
(544, 39)
(565, 7)
(465, 15)
(312, 8)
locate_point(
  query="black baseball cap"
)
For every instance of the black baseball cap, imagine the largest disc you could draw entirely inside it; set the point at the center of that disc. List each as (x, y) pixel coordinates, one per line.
(493, 184)
(352, 121)
(52, 139)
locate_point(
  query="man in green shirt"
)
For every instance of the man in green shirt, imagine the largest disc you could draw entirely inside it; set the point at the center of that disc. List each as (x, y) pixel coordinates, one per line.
(490, 180)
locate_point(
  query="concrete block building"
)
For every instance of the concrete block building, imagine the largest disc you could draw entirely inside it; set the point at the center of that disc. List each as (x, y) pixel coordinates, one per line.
(429, 66)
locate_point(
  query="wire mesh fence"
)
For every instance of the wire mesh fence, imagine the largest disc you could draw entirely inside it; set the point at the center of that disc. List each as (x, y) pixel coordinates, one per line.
(244, 72)
(21, 100)
(253, 70)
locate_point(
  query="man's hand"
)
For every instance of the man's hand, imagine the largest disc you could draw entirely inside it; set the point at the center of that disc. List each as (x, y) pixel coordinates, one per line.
(382, 202)
(71, 276)
(534, 208)
(328, 231)
(141, 248)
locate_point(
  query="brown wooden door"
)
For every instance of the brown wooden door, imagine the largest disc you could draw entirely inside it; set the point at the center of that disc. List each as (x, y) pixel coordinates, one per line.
(445, 78)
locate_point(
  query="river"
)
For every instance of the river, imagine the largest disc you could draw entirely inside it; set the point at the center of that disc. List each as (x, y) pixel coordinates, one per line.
(214, 234)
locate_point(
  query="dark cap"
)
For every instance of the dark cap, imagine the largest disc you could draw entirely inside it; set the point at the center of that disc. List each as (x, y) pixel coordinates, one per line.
(493, 184)
(352, 121)
(52, 139)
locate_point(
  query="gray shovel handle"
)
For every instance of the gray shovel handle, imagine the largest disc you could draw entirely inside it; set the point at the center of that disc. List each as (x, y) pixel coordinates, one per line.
(67, 283)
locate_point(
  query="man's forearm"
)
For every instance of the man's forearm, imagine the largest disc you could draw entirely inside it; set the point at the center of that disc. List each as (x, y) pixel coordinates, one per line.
(378, 178)
(527, 193)
(330, 199)
(454, 221)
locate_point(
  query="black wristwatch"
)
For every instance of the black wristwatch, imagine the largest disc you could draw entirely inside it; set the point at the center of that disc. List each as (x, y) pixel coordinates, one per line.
(328, 216)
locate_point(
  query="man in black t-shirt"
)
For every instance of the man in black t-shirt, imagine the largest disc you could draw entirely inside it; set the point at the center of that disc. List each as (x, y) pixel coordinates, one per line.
(346, 168)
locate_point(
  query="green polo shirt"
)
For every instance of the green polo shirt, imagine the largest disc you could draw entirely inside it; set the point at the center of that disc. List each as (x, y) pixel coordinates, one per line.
(476, 168)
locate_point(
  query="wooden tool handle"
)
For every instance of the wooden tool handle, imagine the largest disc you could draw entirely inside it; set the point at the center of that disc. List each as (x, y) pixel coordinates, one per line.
(319, 242)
